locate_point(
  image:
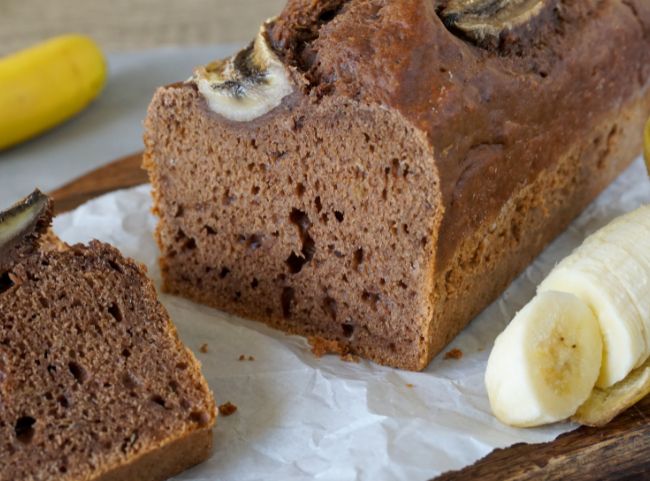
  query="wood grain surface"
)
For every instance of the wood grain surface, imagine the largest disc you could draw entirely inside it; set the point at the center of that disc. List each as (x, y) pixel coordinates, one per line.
(120, 25)
(121, 174)
(619, 451)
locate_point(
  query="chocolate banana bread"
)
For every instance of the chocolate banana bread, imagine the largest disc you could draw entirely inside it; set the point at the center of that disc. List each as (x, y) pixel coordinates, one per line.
(374, 173)
(94, 381)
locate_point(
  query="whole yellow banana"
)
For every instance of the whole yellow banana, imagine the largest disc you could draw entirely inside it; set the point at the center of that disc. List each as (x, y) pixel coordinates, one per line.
(46, 84)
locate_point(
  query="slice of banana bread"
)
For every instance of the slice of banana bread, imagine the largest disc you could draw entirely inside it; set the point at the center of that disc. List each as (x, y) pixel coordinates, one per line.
(94, 381)
(376, 172)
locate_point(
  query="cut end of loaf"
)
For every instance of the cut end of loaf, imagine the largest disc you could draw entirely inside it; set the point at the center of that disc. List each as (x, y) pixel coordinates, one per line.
(280, 221)
(391, 198)
(94, 381)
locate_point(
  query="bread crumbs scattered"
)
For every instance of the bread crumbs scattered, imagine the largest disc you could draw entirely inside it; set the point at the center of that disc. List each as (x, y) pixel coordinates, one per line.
(410, 386)
(454, 354)
(243, 357)
(227, 409)
(349, 357)
(251, 358)
(321, 346)
(204, 348)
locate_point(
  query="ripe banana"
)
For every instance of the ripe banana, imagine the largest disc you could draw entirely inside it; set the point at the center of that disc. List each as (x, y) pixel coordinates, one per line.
(545, 363)
(46, 84)
(609, 276)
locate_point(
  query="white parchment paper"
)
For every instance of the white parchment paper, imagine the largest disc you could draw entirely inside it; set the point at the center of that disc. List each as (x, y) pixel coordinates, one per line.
(306, 418)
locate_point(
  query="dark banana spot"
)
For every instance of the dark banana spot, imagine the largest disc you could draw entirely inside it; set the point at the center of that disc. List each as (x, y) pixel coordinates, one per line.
(494, 24)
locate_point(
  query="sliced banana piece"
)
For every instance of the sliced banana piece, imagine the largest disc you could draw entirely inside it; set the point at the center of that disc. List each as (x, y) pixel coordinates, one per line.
(21, 215)
(611, 272)
(632, 271)
(487, 20)
(605, 404)
(630, 230)
(624, 345)
(623, 242)
(544, 365)
(21, 225)
(248, 85)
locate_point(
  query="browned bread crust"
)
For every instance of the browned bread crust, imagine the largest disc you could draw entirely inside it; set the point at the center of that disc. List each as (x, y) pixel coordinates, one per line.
(165, 461)
(408, 179)
(94, 381)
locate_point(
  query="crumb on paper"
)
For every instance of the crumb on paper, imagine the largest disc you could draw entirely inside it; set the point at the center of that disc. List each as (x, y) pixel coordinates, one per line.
(204, 348)
(349, 357)
(410, 386)
(227, 409)
(321, 346)
(244, 357)
(251, 358)
(455, 353)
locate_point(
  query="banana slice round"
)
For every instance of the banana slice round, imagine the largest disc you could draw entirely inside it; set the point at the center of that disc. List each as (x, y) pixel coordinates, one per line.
(630, 231)
(248, 85)
(544, 365)
(611, 273)
(633, 274)
(624, 341)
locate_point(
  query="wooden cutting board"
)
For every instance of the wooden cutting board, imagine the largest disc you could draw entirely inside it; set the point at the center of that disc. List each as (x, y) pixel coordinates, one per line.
(617, 451)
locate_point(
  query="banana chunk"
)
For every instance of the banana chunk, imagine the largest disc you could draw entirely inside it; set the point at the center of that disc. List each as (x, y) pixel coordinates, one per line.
(20, 227)
(611, 273)
(485, 21)
(545, 363)
(631, 270)
(605, 404)
(631, 231)
(608, 276)
(18, 218)
(248, 85)
(589, 279)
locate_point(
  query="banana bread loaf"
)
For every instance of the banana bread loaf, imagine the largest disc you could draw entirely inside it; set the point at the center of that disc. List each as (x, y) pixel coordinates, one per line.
(374, 173)
(94, 382)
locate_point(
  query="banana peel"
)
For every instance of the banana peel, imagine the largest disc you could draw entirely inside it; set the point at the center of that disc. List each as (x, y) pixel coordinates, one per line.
(44, 85)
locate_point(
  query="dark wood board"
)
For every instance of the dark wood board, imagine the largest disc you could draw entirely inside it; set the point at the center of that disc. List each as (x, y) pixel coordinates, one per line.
(618, 451)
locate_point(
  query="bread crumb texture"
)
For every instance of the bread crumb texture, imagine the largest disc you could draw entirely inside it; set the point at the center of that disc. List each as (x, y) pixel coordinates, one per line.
(92, 373)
